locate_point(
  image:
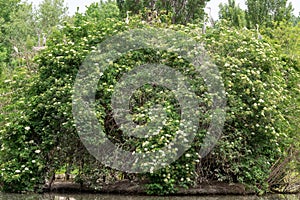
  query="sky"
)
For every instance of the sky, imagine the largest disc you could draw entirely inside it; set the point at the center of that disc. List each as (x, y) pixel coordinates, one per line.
(213, 4)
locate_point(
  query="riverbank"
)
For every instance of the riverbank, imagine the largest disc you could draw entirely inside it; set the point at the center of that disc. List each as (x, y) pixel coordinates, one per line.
(84, 196)
(131, 187)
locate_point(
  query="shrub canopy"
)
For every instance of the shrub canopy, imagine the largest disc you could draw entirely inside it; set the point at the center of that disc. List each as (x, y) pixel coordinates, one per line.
(39, 137)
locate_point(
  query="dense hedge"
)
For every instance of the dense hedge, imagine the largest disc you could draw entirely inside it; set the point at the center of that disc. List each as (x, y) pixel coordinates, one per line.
(40, 138)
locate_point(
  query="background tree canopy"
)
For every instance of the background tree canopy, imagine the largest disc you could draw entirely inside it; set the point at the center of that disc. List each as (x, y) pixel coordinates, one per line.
(258, 12)
(181, 11)
(259, 146)
(264, 12)
(233, 13)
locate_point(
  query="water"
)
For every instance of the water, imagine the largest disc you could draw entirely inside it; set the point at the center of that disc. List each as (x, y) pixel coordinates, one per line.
(125, 197)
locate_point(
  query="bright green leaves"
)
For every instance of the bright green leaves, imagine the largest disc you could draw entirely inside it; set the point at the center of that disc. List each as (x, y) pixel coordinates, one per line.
(38, 136)
(258, 130)
(263, 12)
(180, 11)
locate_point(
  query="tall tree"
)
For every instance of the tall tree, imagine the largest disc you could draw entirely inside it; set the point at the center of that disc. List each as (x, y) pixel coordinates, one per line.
(7, 7)
(21, 26)
(49, 14)
(232, 13)
(264, 12)
(102, 10)
(19, 33)
(182, 11)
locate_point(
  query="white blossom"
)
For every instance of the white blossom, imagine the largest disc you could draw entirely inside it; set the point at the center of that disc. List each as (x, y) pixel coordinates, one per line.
(37, 151)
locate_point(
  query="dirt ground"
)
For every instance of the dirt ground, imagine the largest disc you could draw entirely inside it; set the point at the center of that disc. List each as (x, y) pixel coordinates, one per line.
(130, 187)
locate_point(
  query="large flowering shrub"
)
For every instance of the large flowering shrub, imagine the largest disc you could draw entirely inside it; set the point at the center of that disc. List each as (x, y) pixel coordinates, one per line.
(41, 137)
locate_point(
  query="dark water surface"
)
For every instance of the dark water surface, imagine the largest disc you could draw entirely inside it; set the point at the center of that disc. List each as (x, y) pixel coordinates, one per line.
(125, 197)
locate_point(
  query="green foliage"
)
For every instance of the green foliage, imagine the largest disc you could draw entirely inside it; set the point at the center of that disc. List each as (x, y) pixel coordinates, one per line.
(3, 58)
(17, 173)
(38, 137)
(264, 12)
(51, 13)
(101, 11)
(286, 35)
(44, 124)
(232, 13)
(18, 29)
(8, 6)
(287, 40)
(258, 130)
(22, 28)
(180, 173)
(181, 11)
